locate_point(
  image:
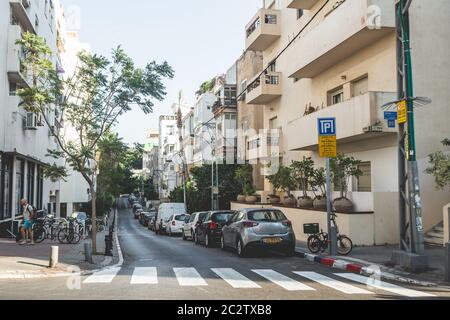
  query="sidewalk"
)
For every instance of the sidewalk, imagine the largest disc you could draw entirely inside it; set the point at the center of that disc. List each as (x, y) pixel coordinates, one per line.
(381, 256)
(26, 261)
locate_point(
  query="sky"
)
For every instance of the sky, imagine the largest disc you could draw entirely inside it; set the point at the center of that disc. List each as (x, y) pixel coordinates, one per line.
(198, 38)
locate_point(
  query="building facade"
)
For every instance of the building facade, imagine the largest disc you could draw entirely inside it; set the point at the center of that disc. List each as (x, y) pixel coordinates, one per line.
(343, 65)
(167, 143)
(24, 139)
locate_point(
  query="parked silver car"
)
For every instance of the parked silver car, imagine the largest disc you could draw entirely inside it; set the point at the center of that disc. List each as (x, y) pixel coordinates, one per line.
(258, 228)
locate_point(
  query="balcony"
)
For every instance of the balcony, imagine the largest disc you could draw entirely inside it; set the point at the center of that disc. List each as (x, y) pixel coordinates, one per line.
(15, 68)
(264, 89)
(263, 30)
(302, 4)
(348, 28)
(19, 12)
(265, 146)
(358, 118)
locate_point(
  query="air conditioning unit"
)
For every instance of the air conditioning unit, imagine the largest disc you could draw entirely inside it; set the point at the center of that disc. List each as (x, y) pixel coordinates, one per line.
(30, 121)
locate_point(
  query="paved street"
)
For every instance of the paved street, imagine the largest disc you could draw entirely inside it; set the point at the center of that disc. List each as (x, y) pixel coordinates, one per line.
(160, 267)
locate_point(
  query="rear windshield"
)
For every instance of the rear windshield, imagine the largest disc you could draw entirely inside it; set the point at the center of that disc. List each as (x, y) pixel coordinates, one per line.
(222, 217)
(266, 216)
(181, 217)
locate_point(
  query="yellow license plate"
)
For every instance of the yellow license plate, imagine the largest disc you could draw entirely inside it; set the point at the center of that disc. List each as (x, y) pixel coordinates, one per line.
(272, 240)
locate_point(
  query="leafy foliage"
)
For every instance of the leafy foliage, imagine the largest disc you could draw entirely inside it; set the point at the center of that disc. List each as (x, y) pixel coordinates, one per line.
(302, 172)
(440, 167)
(343, 168)
(283, 180)
(244, 174)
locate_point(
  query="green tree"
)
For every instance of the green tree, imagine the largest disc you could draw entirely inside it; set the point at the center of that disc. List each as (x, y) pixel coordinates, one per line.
(90, 101)
(440, 167)
(302, 173)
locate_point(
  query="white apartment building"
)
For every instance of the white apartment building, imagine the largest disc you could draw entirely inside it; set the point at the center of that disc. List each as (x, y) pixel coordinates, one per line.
(225, 115)
(167, 141)
(204, 129)
(343, 65)
(23, 138)
(75, 190)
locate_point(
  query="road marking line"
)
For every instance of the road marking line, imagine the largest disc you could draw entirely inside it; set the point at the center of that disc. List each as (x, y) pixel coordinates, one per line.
(234, 278)
(103, 276)
(384, 285)
(331, 283)
(283, 281)
(147, 275)
(189, 277)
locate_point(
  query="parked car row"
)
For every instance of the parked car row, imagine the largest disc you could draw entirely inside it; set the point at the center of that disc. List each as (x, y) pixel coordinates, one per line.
(242, 230)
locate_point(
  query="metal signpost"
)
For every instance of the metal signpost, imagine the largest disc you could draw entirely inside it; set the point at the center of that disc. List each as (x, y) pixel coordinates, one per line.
(328, 150)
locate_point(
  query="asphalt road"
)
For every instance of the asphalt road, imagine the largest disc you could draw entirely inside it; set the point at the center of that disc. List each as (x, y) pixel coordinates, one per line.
(161, 267)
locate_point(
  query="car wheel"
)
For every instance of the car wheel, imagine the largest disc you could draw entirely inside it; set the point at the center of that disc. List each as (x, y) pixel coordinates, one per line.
(207, 241)
(222, 243)
(170, 232)
(196, 241)
(290, 252)
(241, 250)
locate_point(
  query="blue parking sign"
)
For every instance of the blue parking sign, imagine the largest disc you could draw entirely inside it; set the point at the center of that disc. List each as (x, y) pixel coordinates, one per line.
(327, 126)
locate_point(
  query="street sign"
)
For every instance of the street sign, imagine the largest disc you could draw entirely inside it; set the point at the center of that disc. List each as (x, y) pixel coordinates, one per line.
(402, 112)
(390, 115)
(327, 147)
(327, 126)
(327, 137)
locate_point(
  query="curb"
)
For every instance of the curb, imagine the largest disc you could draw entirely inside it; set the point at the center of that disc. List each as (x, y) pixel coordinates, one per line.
(371, 271)
(22, 275)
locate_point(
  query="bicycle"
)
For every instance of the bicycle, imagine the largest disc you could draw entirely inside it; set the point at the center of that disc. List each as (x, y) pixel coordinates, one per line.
(47, 228)
(318, 241)
(69, 234)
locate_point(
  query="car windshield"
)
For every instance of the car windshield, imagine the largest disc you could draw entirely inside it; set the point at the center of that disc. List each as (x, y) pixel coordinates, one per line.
(181, 217)
(266, 216)
(222, 217)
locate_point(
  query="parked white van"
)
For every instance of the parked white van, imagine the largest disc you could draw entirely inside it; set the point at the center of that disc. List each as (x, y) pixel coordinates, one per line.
(165, 211)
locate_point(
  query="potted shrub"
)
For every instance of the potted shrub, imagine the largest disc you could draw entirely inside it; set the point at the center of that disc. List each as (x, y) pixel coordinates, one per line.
(318, 185)
(343, 168)
(302, 172)
(244, 175)
(250, 196)
(283, 181)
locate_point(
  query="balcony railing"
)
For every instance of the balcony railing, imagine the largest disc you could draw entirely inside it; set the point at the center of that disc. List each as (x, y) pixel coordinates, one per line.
(264, 89)
(357, 119)
(264, 29)
(20, 15)
(15, 67)
(346, 29)
(302, 4)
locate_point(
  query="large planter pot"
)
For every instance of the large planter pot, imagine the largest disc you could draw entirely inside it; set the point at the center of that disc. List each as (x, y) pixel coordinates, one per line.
(274, 199)
(290, 201)
(240, 198)
(343, 205)
(305, 203)
(320, 203)
(251, 199)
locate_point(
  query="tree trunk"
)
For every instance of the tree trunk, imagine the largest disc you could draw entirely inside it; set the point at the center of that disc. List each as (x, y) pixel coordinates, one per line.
(93, 218)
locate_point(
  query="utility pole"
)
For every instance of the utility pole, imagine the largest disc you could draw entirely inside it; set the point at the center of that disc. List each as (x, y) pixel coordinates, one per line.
(180, 139)
(411, 249)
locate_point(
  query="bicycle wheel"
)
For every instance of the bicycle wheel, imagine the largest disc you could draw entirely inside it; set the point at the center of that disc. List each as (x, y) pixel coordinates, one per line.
(39, 234)
(62, 236)
(345, 245)
(314, 243)
(73, 237)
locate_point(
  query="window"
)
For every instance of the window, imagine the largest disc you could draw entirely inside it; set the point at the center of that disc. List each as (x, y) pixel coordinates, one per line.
(20, 166)
(5, 187)
(270, 19)
(299, 13)
(336, 96)
(40, 188)
(12, 89)
(364, 182)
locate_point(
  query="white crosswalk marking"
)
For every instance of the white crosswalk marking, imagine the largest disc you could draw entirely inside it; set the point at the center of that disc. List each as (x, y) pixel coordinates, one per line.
(384, 285)
(283, 281)
(104, 276)
(189, 277)
(144, 276)
(331, 283)
(234, 278)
